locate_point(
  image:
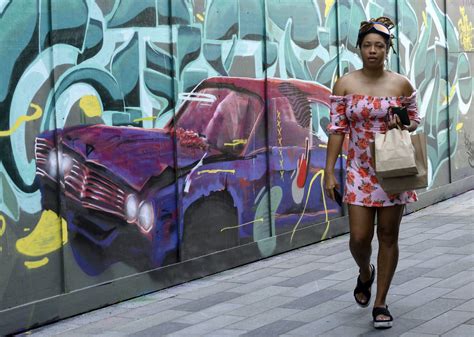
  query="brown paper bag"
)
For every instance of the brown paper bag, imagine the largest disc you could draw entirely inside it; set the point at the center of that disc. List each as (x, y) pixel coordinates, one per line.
(394, 154)
(420, 180)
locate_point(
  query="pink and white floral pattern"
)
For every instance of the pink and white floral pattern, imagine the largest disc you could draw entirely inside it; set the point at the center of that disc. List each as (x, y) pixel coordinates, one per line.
(362, 116)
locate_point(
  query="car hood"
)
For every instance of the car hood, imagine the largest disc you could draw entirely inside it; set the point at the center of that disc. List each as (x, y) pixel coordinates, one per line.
(133, 154)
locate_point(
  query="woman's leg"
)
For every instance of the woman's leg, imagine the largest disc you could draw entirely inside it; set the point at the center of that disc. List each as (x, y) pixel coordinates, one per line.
(361, 223)
(388, 225)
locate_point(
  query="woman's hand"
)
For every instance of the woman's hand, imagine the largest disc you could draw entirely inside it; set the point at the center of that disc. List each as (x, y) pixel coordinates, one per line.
(330, 183)
(393, 121)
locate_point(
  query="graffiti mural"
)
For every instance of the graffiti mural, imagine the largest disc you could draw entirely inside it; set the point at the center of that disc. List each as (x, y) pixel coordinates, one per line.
(139, 134)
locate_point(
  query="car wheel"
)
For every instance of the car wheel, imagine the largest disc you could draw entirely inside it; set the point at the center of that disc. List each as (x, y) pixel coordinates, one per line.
(210, 225)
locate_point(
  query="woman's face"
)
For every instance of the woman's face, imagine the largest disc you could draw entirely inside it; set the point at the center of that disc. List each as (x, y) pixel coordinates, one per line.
(373, 50)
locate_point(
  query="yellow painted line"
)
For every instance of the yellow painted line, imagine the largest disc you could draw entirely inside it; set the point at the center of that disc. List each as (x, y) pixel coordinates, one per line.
(3, 225)
(236, 142)
(23, 119)
(242, 225)
(144, 119)
(319, 173)
(452, 91)
(216, 171)
(36, 264)
(451, 95)
(425, 19)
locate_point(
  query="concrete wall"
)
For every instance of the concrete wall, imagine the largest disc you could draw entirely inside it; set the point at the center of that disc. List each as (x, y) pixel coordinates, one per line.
(144, 143)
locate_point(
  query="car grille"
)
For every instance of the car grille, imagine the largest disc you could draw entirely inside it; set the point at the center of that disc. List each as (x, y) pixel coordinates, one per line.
(83, 183)
(42, 149)
(93, 189)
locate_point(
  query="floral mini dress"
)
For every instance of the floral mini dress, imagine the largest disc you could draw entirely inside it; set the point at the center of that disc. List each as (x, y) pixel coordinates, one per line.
(362, 116)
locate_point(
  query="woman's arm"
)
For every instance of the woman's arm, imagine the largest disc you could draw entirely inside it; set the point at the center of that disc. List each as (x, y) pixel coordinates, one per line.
(412, 107)
(334, 143)
(334, 148)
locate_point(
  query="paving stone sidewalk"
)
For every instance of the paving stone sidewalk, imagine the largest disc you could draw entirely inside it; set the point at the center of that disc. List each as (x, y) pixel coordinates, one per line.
(308, 292)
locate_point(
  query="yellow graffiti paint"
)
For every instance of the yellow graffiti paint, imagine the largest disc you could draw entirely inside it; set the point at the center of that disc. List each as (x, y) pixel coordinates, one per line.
(216, 171)
(329, 4)
(36, 264)
(200, 17)
(280, 144)
(236, 142)
(144, 119)
(451, 95)
(23, 119)
(425, 19)
(466, 30)
(90, 105)
(49, 235)
(452, 91)
(3, 225)
(458, 127)
(320, 173)
(242, 225)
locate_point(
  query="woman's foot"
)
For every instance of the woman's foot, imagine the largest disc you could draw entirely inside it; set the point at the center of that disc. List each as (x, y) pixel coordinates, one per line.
(363, 290)
(382, 317)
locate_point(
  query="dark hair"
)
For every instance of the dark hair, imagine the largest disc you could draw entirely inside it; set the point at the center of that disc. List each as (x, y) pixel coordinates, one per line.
(367, 27)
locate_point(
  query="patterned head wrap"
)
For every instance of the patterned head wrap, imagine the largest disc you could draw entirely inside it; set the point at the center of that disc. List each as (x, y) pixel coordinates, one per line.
(381, 26)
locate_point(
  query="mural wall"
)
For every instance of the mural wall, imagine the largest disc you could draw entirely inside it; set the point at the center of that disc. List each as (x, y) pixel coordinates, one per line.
(135, 134)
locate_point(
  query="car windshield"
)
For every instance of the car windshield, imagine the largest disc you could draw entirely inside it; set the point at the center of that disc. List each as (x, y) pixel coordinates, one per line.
(223, 116)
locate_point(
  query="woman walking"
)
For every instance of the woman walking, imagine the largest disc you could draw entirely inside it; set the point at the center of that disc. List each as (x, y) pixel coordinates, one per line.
(360, 106)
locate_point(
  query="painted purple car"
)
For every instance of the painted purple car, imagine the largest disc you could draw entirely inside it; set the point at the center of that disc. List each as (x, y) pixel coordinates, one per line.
(239, 159)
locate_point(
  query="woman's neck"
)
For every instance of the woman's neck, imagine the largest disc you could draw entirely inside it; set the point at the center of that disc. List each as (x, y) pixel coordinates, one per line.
(373, 73)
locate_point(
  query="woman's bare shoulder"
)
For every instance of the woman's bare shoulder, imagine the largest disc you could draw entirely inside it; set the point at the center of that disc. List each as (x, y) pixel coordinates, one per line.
(343, 84)
(403, 82)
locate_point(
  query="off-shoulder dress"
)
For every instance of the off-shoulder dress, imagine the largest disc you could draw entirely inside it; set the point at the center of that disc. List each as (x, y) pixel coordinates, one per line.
(362, 116)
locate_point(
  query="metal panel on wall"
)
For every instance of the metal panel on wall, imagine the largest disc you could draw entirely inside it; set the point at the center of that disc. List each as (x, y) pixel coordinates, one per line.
(302, 65)
(427, 72)
(460, 39)
(30, 237)
(115, 156)
(220, 128)
(350, 14)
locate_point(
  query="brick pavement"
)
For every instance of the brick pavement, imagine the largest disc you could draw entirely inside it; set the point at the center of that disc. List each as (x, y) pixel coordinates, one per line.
(308, 292)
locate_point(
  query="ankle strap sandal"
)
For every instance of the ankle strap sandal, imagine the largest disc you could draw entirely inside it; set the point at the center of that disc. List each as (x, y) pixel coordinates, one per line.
(365, 288)
(382, 323)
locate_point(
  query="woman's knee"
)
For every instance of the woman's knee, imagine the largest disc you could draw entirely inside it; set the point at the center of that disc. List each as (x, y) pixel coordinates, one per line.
(360, 240)
(387, 235)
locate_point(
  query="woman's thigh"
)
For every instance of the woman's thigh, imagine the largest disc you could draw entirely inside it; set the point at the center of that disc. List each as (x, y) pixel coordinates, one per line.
(388, 220)
(361, 221)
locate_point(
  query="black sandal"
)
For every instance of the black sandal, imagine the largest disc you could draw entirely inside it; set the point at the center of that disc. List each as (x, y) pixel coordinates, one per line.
(382, 323)
(364, 288)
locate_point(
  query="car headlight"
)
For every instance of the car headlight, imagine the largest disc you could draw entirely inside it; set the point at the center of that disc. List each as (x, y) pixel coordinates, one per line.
(146, 216)
(131, 207)
(53, 163)
(66, 164)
